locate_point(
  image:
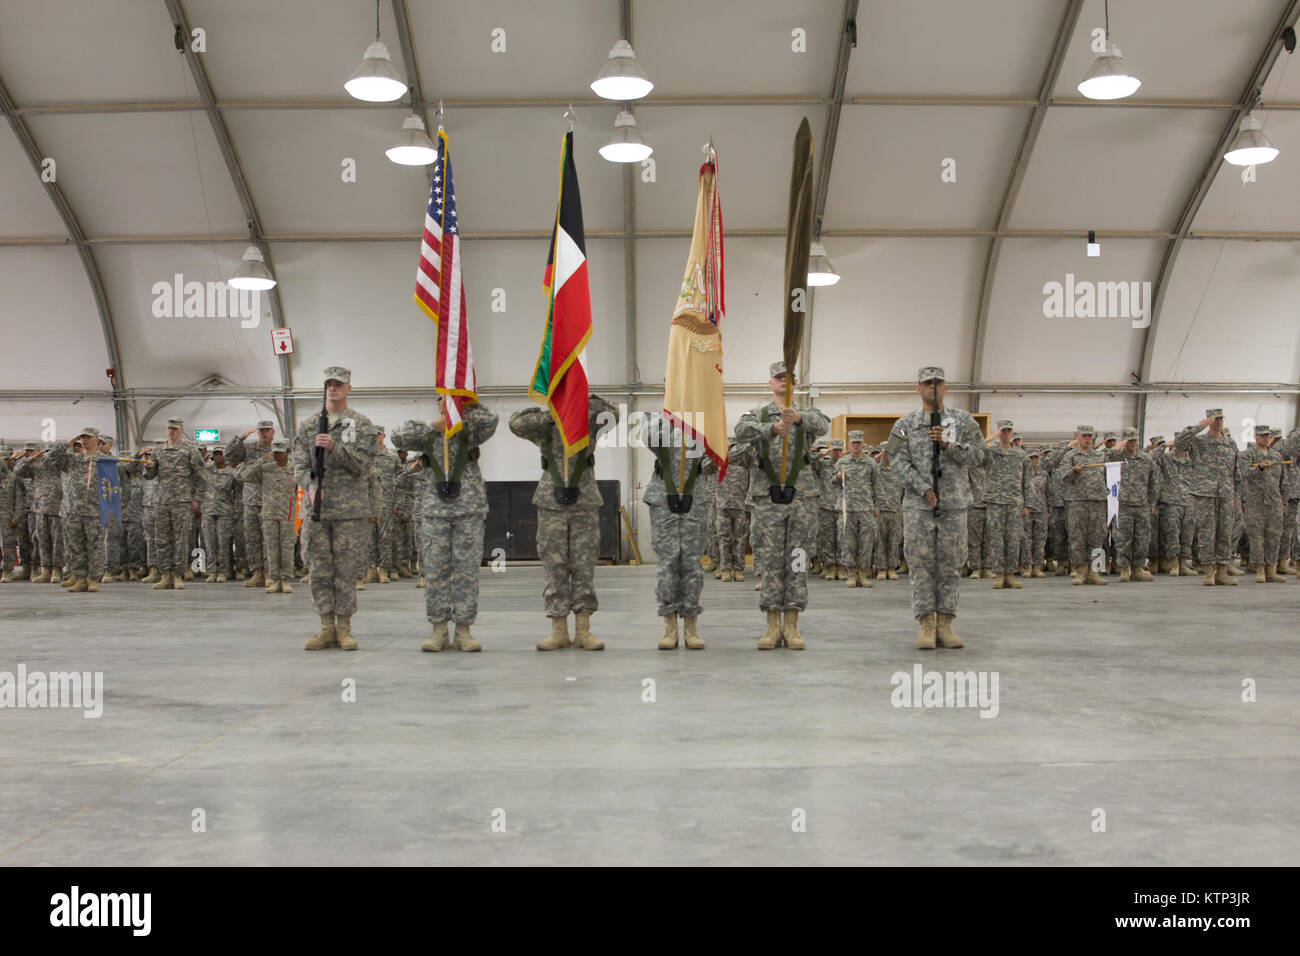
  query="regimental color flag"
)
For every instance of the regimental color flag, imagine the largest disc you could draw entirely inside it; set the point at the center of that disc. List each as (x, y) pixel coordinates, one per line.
(1114, 471)
(439, 291)
(560, 377)
(693, 396)
(110, 489)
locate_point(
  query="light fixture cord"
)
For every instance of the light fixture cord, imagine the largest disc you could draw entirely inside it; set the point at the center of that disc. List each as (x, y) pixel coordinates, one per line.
(377, 20)
(1106, 3)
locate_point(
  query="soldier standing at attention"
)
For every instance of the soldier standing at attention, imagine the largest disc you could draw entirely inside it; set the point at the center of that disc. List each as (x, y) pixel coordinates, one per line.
(733, 512)
(1084, 477)
(1139, 490)
(453, 518)
(976, 520)
(403, 502)
(1213, 485)
(178, 467)
(829, 506)
(889, 521)
(278, 492)
(1006, 489)
(1260, 479)
(934, 526)
(568, 530)
(239, 451)
(47, 495)
(85, 535)
(781, 530)
(338, 540)
(383, 488)
(859, 480)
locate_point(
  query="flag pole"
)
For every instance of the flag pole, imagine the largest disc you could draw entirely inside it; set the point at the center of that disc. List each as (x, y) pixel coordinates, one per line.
(445, 456)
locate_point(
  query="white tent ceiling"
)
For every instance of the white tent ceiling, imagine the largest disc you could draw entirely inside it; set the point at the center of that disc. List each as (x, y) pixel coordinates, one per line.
(99, 88)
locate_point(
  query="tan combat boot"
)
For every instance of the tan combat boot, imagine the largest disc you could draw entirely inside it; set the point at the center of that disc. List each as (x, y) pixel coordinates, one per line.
(841, 573)
(1092, 577)
(852, 579)
(381, 575)
(1233, 569)
(1009, 580)
(78, 585)
(22, 574)
(790, 631)
(67, 581)
(6, 577)
(943, 632)
(152, 577)
(1185, 568)
(999, 582)
(284, 586)
(717, 573)
(1062, 569)
(437, 640)
(1284, 567)
(420, 583)
(559, 635)
(1172, 565)
(865, 577)
(56, 576)
(343, 630)
(772, 634)
(44, 576)
(1024, 570)
(669, 641)
(738, 574)
(1125, 575)
(211, 578)
(882, 576)
(965, 570)
(725, 575)
(1223, 575)
(325, 637)
(256, 580)
(1142, 574)
(691, 634)
(926, 636)
(222, 578)
(272, 585)
(1272, 576)
(372, 576)
(178, 581)
(91, 584)
(582, 636)
(1037, 571)
(1260, 577)
(1080, 573)
(164, 583)
(891, 574)
(464, 641)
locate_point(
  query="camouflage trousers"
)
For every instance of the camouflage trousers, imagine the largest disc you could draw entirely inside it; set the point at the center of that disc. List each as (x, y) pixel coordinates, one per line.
(1086, 527)
(253, 537)
(136, 551)
(337, 549)
(452, 550)
(8, 545)
(976, 520)
(809, 509)
(381, 538)
(889, 539)
(1290, 533)
(1174, 524)
(238, 542)
(1264, 529)
(114, 543)
(1212, 520)
(1058, 538)
(935, 548)
(567, 542)
(1003, 528)
(733, 527)
(678, 541)
(1132, 536)
(149, 521)
(857, 539)
(27, 539)
(217, 533)
(780, 535)
(1033, 540)
(49, 541)
(277, 547)
(85, 540)
(828, 534)
(712, 541)
(172, 530)
(400, 530)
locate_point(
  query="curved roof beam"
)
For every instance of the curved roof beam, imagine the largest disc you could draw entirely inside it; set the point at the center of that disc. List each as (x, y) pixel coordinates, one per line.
(78, 236)
(1201, 188)
(1069, 18)
(239, 181)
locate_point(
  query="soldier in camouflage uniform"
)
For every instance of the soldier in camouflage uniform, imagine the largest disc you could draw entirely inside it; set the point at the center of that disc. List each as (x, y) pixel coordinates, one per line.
(677, 536)
(85, 535)
(137, 558)
(829, 506)
(861, 490)
(278, 498)
(780, 532)
(403, 504)
(383, 490)
(568, 534)
(1139, 490)
(238, 451)
(1035, 531)
(453, 518)
(13, 505)
(1006, 491)
(889, 519)
(114, 535)
(220, 486)
(1176, 523)
(338, 540)
(976, 520)
(733, 511)
(1213, 485)
(26, 530)
(47, 495)
(1058, 550)
(1290, 546)
(178, 467)
(1083, 474)
(934, 526)
(1260, 477)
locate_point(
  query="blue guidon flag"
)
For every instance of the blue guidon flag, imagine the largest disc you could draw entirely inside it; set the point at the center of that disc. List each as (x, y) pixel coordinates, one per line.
(110, 489)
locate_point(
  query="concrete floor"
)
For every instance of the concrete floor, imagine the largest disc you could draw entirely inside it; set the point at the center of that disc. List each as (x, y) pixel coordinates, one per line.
(1126, 698)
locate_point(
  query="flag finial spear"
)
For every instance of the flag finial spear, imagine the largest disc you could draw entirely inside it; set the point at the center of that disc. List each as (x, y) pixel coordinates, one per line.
(570, 115)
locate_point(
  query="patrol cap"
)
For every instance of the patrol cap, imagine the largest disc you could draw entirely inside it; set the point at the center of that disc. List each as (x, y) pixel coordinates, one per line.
(1109, 435)
(216, 449)
(1035, 453)
(88, 431)
(1263, 430)
(175, 423)
(266, 423)
(1085, 430)
(279, 445)
(855, 435)
(1005, 423)
(337, 373)
(775, 369)
(1214, 413)
(1157, 439)
(107, 438)
(1130, 431)
(31, 446)
(836, 443)
(928, 372)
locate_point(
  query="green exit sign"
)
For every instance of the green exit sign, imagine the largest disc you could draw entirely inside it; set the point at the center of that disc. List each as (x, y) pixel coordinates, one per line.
(207, 434)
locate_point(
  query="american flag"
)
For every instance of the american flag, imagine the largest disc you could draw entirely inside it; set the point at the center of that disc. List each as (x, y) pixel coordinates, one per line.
(439, 292)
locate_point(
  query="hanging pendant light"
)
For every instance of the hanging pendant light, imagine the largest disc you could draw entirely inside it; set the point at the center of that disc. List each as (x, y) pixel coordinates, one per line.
(626, 144)
(376, 79)
(1109, 78)
(820, 270)
(621, 78)
(1250, 147)
(413, 146)
(252, 273)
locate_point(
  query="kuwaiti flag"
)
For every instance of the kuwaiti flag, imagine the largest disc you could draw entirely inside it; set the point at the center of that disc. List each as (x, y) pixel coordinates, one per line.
(560, 378)
(440, 292)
